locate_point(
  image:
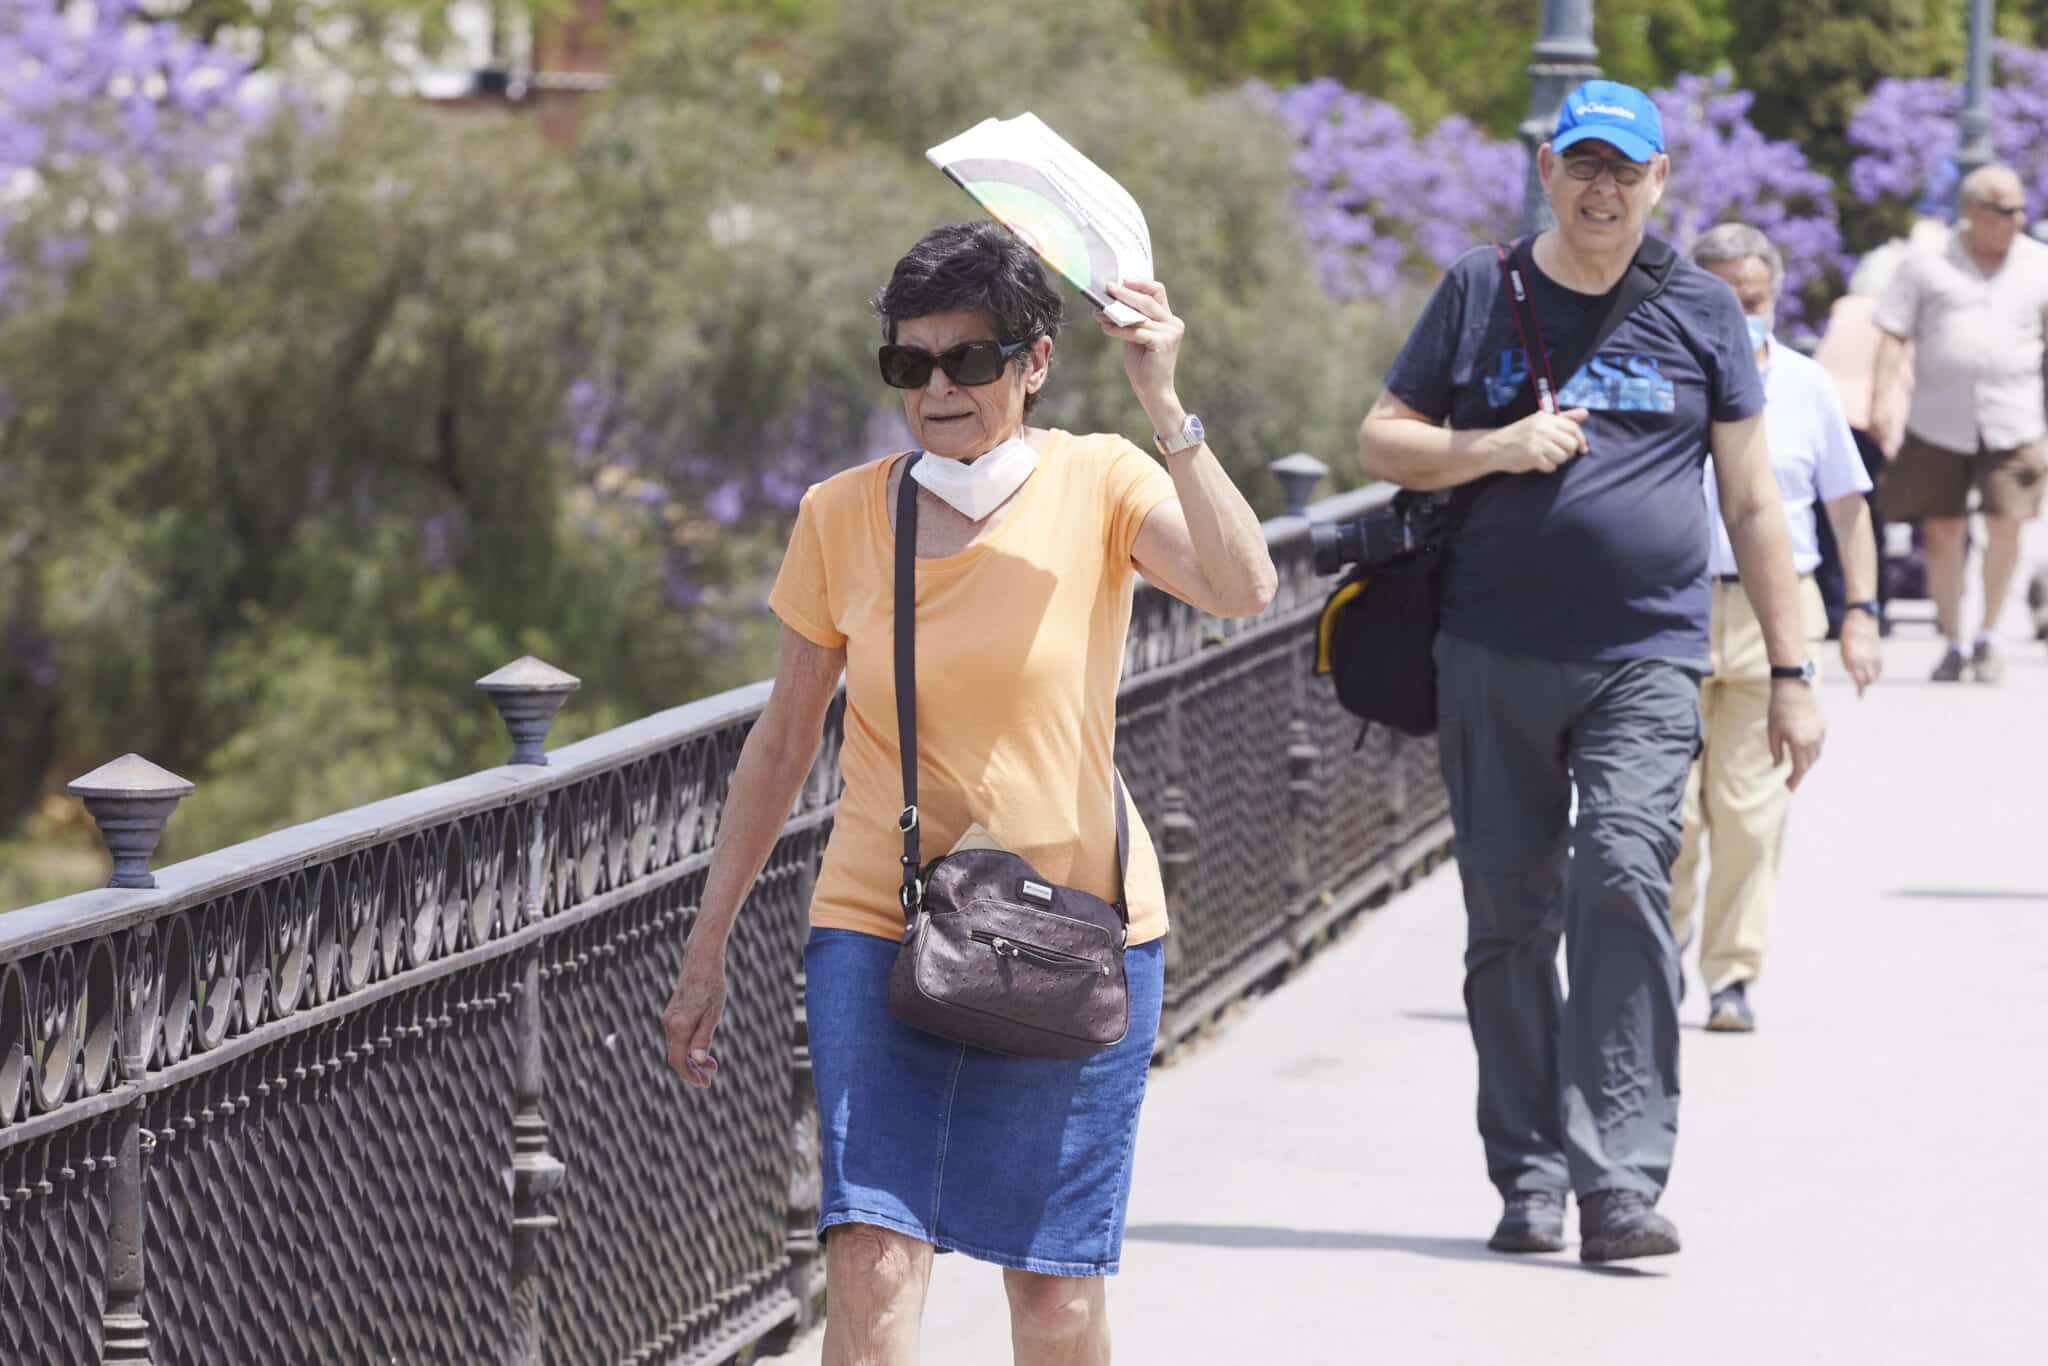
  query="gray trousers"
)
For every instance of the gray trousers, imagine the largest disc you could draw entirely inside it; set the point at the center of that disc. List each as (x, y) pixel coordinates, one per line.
(1578, 1092)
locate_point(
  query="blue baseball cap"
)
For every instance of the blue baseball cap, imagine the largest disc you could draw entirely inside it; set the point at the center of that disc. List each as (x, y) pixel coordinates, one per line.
(1619, 115)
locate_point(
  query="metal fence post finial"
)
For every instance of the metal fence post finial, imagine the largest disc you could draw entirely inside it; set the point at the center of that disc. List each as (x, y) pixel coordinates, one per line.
(130, 800)
(1298, 475)
(527, 693)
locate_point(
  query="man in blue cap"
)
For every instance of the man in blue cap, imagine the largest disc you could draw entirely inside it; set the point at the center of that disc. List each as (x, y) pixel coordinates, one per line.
(1571, 388)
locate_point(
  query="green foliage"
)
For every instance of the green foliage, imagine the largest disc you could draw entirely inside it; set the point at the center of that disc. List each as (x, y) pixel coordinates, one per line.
(269, 30)
(1424, 59)
(773, 240)
(279, 500)
(1811, 65)
(278, 496)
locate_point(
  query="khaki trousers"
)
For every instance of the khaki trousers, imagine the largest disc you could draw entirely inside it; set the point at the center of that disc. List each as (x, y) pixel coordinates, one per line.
(1736, 802)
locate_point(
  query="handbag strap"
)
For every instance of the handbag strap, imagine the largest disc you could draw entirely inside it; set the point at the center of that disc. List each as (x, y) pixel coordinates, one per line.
(912, 895)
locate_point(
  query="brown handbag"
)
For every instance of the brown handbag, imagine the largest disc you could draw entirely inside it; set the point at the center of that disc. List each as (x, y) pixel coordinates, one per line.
(994, 955)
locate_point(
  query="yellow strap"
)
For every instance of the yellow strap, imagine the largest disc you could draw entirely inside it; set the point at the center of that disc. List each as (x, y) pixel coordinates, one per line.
(1327, 626)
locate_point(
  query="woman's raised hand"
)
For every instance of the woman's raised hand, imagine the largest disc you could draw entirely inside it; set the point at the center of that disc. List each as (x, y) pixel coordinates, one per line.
(1151, 345)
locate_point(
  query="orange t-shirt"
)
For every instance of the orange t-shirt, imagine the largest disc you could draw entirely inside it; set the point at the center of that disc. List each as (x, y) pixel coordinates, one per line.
(1020, 649)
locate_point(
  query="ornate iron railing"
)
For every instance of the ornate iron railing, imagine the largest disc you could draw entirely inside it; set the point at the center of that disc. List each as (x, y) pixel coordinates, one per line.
(389, 1086)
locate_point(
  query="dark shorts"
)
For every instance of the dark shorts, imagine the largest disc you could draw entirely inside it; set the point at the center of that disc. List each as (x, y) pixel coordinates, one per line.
(1926, 480)
(1024, 1162)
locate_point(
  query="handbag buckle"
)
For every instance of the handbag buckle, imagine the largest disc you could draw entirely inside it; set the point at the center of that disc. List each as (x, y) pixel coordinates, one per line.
(911, 896)
(906, 821)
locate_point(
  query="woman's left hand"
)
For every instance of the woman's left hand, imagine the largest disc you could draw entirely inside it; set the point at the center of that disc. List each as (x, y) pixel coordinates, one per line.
(1151, 346)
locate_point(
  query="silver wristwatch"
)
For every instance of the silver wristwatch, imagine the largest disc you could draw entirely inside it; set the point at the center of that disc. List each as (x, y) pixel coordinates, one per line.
(1187, 438)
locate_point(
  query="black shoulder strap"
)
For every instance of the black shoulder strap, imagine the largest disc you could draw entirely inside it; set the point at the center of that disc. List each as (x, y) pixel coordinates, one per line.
(906, 677)
(906, 708)
(1644, 279)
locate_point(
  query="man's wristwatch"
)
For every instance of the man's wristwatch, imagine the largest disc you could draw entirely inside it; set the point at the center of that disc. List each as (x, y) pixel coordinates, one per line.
(1872, 607)
(1805, 673)
(1187, 438)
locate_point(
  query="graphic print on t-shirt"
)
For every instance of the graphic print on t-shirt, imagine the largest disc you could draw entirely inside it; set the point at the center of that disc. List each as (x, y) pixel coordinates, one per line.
(1610, 382)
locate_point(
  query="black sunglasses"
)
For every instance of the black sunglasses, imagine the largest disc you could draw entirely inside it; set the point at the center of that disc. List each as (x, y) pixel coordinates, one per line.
(970, 363)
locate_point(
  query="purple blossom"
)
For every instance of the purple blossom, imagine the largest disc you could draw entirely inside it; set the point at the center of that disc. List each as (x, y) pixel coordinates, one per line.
(437, 534)
(726, 503)
(1382, 210)
(105, 112)
(1908, 135)
(1725, 170)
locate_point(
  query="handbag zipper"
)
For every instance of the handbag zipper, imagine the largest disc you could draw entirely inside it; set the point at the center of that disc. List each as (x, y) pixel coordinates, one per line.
(1005, 947)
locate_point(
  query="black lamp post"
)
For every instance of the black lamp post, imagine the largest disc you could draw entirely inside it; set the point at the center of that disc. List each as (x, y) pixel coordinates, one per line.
(1564, 59)
(1975, 124)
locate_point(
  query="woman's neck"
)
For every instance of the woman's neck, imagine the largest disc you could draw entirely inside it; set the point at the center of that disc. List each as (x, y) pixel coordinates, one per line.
(998, 444)
(1582, 271)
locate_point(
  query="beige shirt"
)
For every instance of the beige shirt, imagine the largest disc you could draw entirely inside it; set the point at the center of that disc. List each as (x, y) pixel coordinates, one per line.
(1978, 344)
(1848, 352)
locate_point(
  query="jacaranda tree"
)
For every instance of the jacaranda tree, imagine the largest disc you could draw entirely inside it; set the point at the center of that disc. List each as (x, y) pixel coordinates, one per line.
(1387, 210)
(1907, 137)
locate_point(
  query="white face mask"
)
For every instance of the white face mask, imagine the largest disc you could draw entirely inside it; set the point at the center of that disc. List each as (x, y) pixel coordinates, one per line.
(976, 490)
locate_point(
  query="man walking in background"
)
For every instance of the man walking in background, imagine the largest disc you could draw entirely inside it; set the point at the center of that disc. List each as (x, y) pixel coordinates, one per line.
(1737, 802)
(1975, 314)
(1577, 384)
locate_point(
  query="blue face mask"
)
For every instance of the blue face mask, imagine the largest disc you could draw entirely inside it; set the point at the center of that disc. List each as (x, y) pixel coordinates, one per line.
(1759, 329)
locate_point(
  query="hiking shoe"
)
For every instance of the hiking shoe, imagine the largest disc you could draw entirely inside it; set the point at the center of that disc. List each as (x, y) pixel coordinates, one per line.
(1615, 1226)
(1986, 664)
(1530, 1221)
(1728, 1010)
(1950, 670)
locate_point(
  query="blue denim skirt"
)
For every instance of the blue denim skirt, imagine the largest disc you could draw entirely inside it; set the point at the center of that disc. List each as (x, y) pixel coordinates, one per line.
(1024, 1162)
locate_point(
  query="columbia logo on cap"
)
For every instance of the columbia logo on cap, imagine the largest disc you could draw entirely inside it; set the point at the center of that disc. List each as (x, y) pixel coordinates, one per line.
(1613, 109)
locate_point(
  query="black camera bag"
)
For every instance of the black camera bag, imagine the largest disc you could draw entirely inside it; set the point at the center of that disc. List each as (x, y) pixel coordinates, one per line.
(1376, 637)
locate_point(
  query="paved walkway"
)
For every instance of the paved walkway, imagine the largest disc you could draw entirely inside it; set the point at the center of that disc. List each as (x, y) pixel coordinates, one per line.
(1863, 1181)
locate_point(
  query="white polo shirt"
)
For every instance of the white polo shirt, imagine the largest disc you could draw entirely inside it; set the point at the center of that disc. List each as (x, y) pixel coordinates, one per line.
(1812, 454)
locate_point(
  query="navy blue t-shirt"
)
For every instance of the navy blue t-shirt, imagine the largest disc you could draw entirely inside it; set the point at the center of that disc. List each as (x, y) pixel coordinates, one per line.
(1604, 559)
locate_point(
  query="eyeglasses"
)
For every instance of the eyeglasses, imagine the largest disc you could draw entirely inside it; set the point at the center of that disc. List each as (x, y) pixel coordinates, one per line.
(1627, 174)
(2007, 210)
(970, 363)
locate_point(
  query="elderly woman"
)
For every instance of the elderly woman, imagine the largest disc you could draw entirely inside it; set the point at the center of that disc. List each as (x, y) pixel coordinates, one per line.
(1027, 543)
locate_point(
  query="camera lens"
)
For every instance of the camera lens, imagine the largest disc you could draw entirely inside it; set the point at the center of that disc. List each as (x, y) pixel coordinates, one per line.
(1332, 545)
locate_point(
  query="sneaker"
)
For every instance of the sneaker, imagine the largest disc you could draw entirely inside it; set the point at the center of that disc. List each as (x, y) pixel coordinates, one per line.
(1728, 1010)
(1986, 664)
(1615, 1226)
(1950, 670)
(1530, 1221)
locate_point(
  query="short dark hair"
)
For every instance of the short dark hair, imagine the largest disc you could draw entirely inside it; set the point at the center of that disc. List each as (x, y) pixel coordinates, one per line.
(973, 265)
